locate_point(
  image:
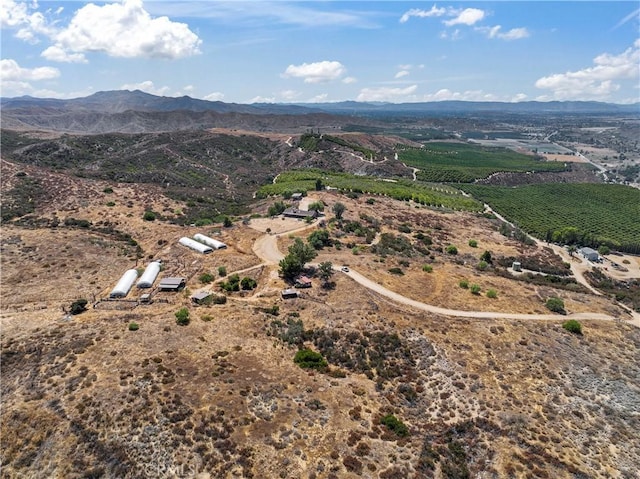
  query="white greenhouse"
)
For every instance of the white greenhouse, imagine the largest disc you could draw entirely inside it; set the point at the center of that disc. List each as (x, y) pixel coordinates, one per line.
(215, 244)
(193, 244)
(149, 276)
(124, 284)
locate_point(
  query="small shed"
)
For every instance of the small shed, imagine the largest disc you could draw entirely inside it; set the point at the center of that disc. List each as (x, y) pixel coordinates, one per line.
(590, 254)
(145, 298)
(516, 266)
(200, 297)
(149, 276)
(300, 214)
(215, 244)
(289, 294)
(195, 245)
(303, 282)
(172, 284)
(123, 286)
(296, 196)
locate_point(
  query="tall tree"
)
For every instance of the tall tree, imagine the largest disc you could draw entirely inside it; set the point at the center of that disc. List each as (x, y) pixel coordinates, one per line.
(338, 210)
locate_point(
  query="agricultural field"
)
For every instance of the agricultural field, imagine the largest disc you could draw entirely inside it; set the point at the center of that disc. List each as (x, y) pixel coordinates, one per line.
(464, 163)
(587, 214)
(429, 195)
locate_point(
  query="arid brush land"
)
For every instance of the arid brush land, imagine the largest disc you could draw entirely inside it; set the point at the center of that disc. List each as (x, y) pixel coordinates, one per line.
(423, 353)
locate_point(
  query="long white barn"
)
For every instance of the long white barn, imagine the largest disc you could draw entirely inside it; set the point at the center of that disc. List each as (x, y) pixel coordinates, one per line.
(215, 244)
(149, 276)
(124, 284)
(193, 244)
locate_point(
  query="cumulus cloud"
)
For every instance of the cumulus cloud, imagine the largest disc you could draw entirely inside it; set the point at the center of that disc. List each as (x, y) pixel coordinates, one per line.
(10, 70)
(598, 81)
(349, 80)
(148, 87)
(401, 73)
(321, 98)
(56, 54)
(289, 95)
(125, 29)
(318, 72)
(468, 16)
(214, 96)
(386, 93)
(495, 32)
(262, 99)
(416, 12)
(469, 95)
(19, 15)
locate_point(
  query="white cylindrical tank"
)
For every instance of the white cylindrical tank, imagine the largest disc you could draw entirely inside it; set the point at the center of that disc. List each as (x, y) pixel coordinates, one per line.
(209, 241)
(149, 276)
(193, 244)
(124, 284)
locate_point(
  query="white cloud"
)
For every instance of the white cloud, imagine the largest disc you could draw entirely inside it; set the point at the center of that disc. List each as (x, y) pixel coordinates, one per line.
(125, 29)
(19, 15)
(321, 98)
(469, 95)
(215, 96)
(11, 71)
(57, 54)
(454, 35)
(148, 87)
(468, 16)
(349, 80)
(633, 15)
(596, 82)
(518, 97)
(416, 12)
(289, 95)
(262, 99)
(495, 32)
(386, 93)
(318, 72)
(401, 73)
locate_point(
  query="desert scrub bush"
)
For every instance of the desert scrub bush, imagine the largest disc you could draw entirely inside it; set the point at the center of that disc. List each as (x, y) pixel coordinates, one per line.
(555, 304)
(222, 271)
(473, 243)
(573, 326)
(111, 203)
(108, 189)
(309, 359)
(492, 293)
(482, 265)
(182, 317)
(395, 425)
(248, 283)
(464, 284)
(475, 289)
(397, 271)
(149, 216)
(427, 268)
(207, 317)
(133, 326)
(451, 249)
(206, 278)
(78, 306)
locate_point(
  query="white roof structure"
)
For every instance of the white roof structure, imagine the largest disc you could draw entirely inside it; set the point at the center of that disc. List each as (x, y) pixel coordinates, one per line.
(149, 276)
(215, 244)
(124, 284)
(193, 244)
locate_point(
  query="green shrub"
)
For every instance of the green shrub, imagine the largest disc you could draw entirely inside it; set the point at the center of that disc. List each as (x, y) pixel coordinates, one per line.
(108, 189)
(451, 249)
(308, 359)
(475, 289)
(427, 268)
(248, 283)
(206, 278)
(555, 304)
(78, 306)
(206, 317)
(395, 425)
(133, 326)
(492, 293)
(396, 271)
(482, 265)
(149, 216)
(573, 326)
(111, 203)
(473, 243)
(182, 317)
(464, 284)
(222, 271)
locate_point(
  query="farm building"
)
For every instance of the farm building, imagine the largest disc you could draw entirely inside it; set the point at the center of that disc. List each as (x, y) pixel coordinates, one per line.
(300, 214)
(590, 254)
(124, 284)
(172, 284)
(195, 245)
(296, 196)
(215, 244)
(289, 294)
(200, 297)
(517, 266)
(149, 276)
(302, 282)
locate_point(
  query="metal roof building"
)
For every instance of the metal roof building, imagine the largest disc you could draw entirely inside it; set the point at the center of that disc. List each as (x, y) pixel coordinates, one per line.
(124, 284)
(215, 244)
(193, 244)
(149, 276)
(172, 284)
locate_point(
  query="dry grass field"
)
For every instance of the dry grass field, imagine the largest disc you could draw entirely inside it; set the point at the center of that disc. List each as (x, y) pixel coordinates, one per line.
(85, 396)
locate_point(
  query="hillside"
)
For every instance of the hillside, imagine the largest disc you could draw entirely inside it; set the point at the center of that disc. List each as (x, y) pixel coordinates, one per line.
(407, 393)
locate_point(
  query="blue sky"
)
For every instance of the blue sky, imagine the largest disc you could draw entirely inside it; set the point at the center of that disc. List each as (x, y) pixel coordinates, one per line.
(316, 51)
